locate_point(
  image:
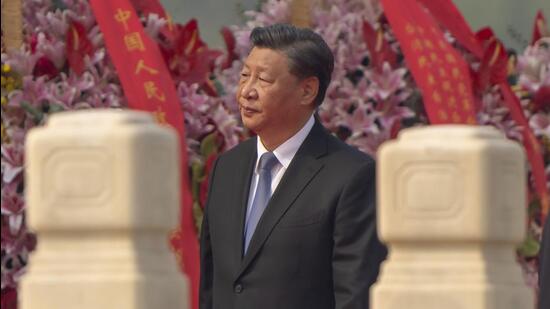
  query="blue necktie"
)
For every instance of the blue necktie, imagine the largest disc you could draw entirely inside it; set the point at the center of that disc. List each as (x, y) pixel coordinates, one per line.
(261, 198)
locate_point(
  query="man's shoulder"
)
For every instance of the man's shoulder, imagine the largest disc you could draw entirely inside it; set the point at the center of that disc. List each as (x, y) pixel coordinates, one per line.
(345, 164)
(345, 155)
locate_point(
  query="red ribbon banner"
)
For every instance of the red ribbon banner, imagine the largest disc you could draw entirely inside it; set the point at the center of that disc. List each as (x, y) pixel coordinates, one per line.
(438, 69)
(148, 86)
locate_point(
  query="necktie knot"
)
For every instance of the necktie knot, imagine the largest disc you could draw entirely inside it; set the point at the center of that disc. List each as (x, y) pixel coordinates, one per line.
(267, 161)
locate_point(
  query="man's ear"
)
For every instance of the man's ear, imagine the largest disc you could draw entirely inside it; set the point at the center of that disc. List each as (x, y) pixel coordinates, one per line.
(310, 88)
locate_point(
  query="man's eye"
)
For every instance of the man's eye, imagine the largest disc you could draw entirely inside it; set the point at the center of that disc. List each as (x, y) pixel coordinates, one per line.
(245, 74)
(265, 80)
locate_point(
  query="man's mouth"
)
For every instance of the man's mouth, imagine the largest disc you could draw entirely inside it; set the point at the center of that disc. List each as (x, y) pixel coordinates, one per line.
(249, 109)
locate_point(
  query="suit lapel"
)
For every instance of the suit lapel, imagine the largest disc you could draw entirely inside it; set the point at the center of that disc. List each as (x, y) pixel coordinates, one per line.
(300, 172)
(245, 168)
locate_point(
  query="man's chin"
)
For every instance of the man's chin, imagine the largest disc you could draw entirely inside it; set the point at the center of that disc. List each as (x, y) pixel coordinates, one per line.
(251, 125)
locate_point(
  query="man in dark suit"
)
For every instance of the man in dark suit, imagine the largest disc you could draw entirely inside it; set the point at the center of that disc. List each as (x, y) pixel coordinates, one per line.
(290, 217)
(544, 267)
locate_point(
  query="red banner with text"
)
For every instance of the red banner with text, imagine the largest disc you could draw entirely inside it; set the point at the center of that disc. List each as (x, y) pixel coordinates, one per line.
(148, 86)
(438, 69)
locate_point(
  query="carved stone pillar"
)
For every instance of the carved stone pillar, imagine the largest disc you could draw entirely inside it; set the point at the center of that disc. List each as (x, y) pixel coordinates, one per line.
(452, 210)
(103, 193)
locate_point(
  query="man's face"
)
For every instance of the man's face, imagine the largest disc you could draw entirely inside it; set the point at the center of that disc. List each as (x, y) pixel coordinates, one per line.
(269, 95)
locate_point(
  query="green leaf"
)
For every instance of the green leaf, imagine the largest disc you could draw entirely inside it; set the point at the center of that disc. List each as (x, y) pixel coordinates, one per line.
(534, 207)
(197, 217)
(197, 170)
(36, 114)
(208, 145)
(219, 87)
(54, 108)
(197, 174)
(530, 247)
(59, 5)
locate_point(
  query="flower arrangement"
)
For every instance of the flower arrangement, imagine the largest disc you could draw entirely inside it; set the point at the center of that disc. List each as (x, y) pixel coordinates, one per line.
(530, 78)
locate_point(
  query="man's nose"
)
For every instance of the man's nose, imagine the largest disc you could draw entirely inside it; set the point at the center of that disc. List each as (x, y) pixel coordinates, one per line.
(248, 90)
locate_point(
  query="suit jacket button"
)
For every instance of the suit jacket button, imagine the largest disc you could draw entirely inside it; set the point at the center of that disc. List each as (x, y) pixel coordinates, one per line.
(238, 288)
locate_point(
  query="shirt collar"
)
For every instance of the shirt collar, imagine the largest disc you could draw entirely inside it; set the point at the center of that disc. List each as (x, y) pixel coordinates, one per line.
(287, 150)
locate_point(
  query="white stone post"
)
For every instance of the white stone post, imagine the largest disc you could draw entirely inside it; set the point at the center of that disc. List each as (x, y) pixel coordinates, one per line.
(452, 210)
(103, 193)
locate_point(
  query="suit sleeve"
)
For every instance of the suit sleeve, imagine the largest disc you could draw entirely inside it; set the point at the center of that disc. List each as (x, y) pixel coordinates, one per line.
(357, 252)
(206, 260)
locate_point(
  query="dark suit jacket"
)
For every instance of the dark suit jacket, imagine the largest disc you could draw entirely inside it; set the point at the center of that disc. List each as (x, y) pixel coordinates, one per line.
(544, 267)
(316, 244)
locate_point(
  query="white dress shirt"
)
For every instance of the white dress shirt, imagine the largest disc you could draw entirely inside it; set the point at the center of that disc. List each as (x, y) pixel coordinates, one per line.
(284, 153)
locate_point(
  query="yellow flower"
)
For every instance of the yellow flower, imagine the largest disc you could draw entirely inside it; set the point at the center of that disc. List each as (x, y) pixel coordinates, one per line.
(5, 138)
(4, 101)
(6, 68)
